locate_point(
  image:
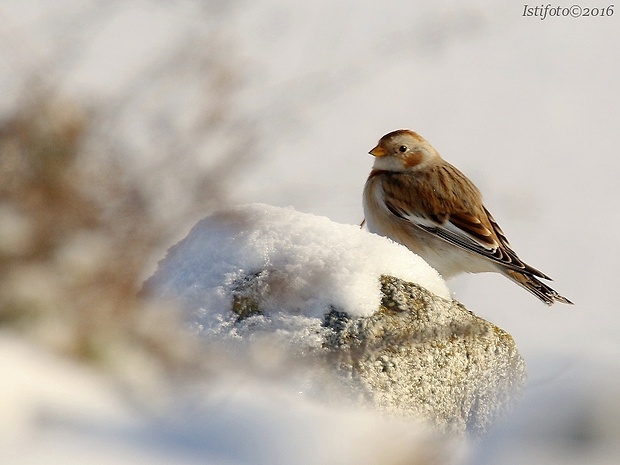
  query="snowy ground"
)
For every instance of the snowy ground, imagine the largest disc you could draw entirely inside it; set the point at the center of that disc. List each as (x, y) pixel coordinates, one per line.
(526, 107)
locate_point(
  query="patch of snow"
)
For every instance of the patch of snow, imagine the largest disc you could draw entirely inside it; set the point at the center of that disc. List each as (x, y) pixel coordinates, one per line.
(572, 417)
(320, 264)
(56, 411)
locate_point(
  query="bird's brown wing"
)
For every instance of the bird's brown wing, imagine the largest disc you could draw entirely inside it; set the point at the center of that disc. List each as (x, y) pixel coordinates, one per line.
(454, 213)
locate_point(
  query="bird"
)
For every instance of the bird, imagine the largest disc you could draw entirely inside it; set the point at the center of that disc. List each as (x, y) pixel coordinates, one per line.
(416, 198)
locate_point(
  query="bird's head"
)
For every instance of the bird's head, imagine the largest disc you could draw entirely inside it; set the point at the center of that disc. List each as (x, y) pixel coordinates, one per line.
(403, 150)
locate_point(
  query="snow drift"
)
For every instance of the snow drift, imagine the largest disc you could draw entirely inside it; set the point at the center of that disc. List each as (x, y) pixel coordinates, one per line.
(320, 265)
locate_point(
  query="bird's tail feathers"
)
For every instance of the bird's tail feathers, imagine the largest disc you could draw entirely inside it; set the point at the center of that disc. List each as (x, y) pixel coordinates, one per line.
(536, 287)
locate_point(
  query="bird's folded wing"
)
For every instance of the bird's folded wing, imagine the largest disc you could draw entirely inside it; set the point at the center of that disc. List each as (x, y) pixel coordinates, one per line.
(470, 233)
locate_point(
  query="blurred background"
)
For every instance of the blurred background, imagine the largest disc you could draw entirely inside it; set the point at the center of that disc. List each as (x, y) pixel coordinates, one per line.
(123, 123)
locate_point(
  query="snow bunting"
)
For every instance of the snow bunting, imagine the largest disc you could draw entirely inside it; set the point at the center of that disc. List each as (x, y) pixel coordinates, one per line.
(416, 198)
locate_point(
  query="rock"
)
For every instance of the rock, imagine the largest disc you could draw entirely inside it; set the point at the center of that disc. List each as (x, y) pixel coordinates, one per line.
(429, 357)
(326, 297)
(419, 355)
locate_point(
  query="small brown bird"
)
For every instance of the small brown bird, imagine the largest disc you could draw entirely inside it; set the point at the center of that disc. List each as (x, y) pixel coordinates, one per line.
(416, 198)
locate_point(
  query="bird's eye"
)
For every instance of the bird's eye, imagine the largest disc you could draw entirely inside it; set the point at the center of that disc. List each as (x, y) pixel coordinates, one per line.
(402, 148)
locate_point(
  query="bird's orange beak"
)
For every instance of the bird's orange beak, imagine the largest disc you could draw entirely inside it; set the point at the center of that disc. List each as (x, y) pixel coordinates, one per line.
(378, 151)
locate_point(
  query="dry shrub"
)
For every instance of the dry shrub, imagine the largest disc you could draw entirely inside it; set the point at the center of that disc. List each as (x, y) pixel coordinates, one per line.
(91, 194)
(75, 239)
(66, 278)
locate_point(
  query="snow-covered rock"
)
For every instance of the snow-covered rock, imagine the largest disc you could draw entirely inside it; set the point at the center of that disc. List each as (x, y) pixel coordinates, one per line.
(366, 313)
(313, 265)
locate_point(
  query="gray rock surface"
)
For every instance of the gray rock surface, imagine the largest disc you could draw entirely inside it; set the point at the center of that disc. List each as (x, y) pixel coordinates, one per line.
(429, 357)
(418, 355)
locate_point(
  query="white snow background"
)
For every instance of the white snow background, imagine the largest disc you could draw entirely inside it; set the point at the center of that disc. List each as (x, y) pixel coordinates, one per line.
(527, 108)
